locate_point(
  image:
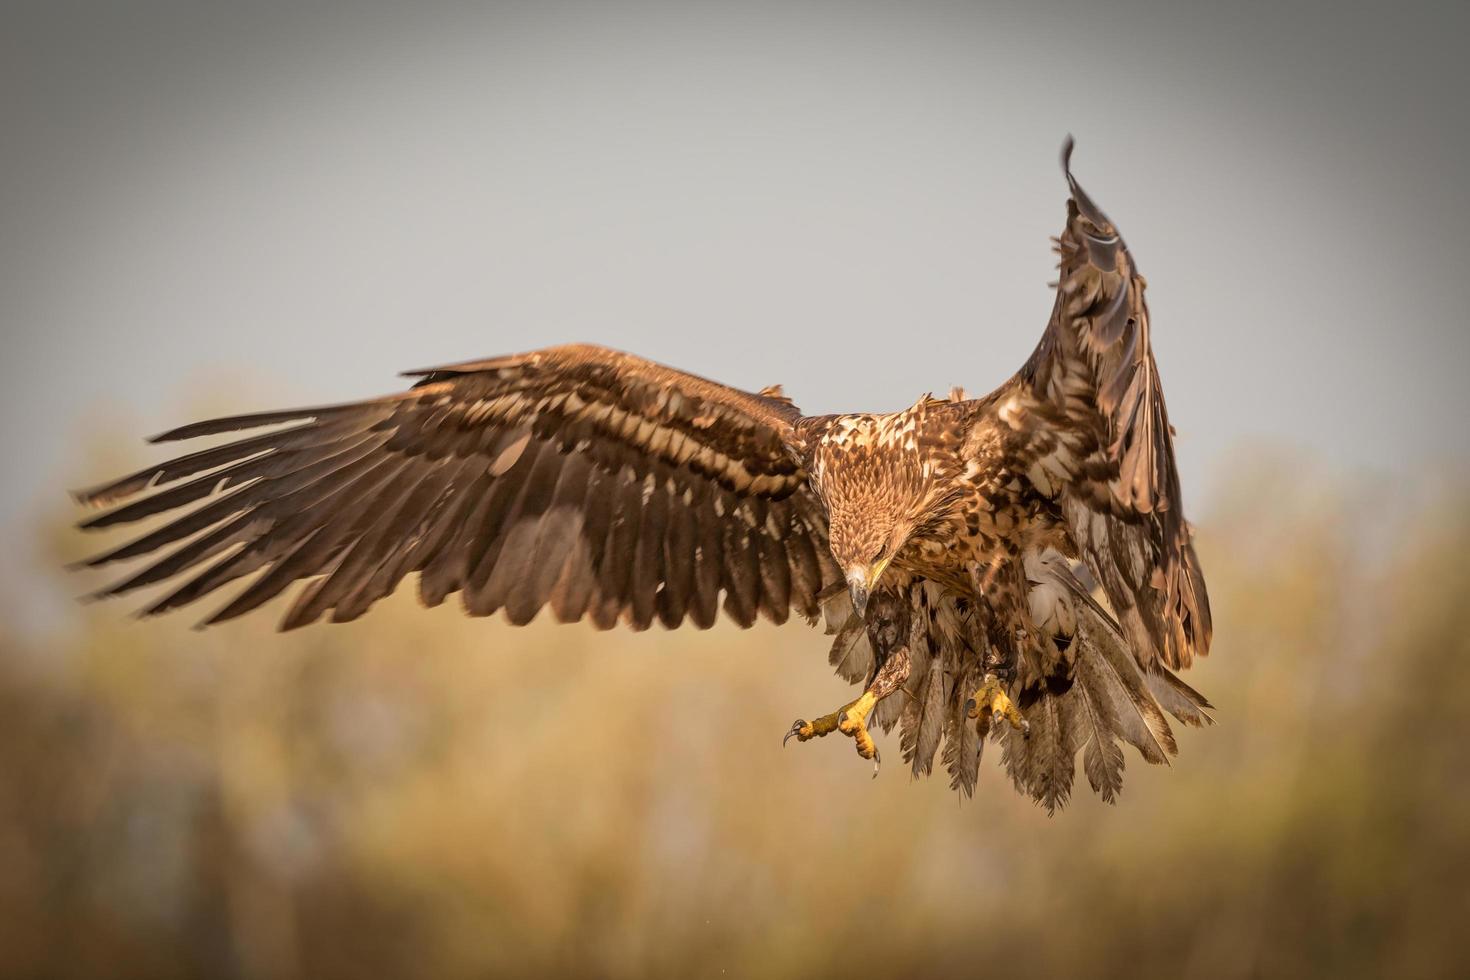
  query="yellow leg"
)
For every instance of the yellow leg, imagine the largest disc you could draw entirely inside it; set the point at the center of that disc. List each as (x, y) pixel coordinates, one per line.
(990, 702)
(851, 720)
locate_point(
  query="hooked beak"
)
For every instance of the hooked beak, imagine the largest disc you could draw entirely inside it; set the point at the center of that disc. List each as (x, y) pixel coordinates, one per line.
(860, 582)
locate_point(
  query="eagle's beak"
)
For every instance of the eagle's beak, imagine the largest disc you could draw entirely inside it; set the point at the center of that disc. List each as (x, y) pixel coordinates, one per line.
(860, 582)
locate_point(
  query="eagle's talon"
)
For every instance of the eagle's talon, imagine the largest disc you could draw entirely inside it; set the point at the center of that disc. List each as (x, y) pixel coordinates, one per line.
(990, 702)
(851, 720)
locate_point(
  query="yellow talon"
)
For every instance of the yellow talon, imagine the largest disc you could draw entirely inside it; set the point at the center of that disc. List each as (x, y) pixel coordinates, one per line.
(991, 701)
(851, 720)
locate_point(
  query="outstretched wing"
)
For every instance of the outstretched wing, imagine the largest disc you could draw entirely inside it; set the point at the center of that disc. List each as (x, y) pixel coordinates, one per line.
(598, 483)
(1107, 447)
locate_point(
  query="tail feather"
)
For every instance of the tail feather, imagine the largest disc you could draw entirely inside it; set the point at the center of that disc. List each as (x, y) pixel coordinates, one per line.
(923, 718)
(1112, 676)
(1102, 756)
(936, 627)
(962, 745)
(1042, 762)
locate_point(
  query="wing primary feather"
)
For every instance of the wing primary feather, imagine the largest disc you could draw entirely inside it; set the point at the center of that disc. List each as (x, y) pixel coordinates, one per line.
(422, 529)
(304, 503)
(234, 423)
(243, 527)
(226, 506)
(267, 467)
(322, 540)
(366, 545)
(300, 437)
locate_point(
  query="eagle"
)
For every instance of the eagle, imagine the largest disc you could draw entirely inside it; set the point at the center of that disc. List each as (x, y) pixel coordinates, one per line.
(1014, 568)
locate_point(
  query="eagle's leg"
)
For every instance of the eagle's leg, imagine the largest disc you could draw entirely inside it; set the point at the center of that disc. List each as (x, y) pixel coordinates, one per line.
(852, 718)
(991, 701)
(887, 622)
(1004, 604)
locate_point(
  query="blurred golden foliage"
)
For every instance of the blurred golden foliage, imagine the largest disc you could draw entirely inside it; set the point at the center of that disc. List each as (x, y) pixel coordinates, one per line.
(419, 794)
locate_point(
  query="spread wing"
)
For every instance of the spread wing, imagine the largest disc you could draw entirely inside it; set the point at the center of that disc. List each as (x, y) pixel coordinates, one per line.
(592, 481)
(1108, 449)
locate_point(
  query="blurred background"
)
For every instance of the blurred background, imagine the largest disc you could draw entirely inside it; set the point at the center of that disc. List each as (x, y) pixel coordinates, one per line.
(217, 208)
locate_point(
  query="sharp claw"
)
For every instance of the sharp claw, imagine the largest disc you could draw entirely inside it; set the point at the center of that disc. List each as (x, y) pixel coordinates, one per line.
(850, 720)
(796, 727)
(1025, 728)
(970, 707)
(877, 761)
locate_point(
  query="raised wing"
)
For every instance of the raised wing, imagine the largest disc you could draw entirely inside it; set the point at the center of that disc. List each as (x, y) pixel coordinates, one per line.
(1108, 448)
(598, 483)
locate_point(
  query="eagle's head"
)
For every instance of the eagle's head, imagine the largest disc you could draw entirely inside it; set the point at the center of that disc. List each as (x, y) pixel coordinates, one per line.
(877, 488)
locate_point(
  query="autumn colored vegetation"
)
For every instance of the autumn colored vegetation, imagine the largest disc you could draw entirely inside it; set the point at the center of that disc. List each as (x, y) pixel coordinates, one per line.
(422, 795)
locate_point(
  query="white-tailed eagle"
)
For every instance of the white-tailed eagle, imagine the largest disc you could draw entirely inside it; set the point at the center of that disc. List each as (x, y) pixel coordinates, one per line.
(1021, 557)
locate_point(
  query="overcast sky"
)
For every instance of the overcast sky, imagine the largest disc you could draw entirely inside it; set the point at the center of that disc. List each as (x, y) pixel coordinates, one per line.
(238, 204)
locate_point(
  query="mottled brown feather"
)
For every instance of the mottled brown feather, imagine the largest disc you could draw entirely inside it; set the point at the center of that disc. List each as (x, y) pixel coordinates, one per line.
(1095, 375)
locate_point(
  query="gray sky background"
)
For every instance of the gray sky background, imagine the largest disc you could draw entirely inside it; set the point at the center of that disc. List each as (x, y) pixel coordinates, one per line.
(237, 205)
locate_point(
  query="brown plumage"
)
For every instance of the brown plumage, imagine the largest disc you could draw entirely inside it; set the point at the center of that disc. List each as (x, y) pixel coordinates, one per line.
(611, 489)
